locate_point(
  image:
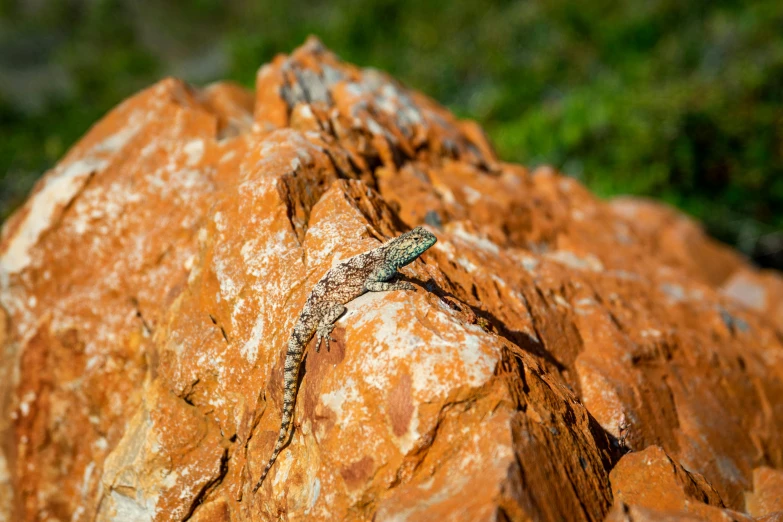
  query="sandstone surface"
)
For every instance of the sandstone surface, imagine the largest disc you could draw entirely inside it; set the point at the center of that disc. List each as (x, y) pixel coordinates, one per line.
(562, 357)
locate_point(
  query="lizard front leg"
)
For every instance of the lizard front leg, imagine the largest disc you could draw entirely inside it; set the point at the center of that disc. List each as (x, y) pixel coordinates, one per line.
(326, 325)
(377, 281)
(383, 286)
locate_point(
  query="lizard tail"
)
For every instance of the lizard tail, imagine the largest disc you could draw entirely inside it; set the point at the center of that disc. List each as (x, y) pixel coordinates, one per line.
(293, 361)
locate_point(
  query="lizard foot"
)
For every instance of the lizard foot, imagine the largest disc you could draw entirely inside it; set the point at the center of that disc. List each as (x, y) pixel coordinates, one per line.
(324, 333)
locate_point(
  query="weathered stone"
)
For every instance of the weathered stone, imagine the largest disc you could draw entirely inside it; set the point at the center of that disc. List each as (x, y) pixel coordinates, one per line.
(625, 513)
(651, 480)
(760, 290)
(150, 283)
(767, 495)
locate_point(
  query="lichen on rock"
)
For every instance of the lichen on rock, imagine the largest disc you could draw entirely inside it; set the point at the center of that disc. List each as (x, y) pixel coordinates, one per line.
(563, 357)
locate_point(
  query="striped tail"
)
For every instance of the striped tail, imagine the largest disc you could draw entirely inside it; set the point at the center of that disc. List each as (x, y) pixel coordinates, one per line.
(293, 360)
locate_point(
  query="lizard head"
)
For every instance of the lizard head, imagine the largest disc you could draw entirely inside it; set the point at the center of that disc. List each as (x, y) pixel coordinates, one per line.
(407, 247)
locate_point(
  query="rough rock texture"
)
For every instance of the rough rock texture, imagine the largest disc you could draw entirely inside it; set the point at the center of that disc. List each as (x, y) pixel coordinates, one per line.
(562, 358)
(654, 482)
(767, 496)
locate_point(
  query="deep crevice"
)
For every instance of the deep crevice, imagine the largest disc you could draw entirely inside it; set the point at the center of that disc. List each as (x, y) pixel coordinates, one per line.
(222, 330)
(521, 340)
(188, 396)
(208, 487)
(135, 302)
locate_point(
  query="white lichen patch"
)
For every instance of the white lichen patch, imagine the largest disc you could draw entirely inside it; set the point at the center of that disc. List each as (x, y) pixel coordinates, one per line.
(60, 187)
(342, 401)
(249, 349)
(585, 306)
(675, 292)
(624, 275)
(223, 268)
(119, 139)
(194, 151)
(88, 470)
(24, 404)
(328, 238)
(449, 249)
(451, 355)
(472, 195)
(374, 127)
(284, 463)
(101, 444)
(315, 492)
(445, 193)
(228, 156)
(137, 509)
(467, 264)
(745, 290)
(278, 150)
(571, 260)
(445, 246)
(528, 262)
(262, 254)
(271, 260)
(459, 231)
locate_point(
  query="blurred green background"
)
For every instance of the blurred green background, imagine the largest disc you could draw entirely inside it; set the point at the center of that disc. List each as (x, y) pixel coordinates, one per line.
(681, 101)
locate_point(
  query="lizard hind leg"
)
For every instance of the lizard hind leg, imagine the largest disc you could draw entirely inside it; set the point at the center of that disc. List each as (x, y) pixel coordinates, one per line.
(325, 326)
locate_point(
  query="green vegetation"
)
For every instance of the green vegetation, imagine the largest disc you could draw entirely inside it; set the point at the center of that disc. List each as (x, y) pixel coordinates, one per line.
(681, 101)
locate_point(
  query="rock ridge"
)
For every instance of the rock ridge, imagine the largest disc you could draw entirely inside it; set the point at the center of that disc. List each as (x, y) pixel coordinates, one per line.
(563, 357)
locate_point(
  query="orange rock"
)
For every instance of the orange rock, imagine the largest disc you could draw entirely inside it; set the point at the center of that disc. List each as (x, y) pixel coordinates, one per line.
(760, 290)
(624, 513)
(651, 480)
(767, 495)
(150, 283)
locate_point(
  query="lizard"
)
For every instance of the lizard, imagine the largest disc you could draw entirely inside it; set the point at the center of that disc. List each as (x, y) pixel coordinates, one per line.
(367, 272)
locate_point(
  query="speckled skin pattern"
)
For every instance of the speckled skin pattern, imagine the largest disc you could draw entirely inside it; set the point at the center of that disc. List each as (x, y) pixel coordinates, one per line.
(368, 272)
